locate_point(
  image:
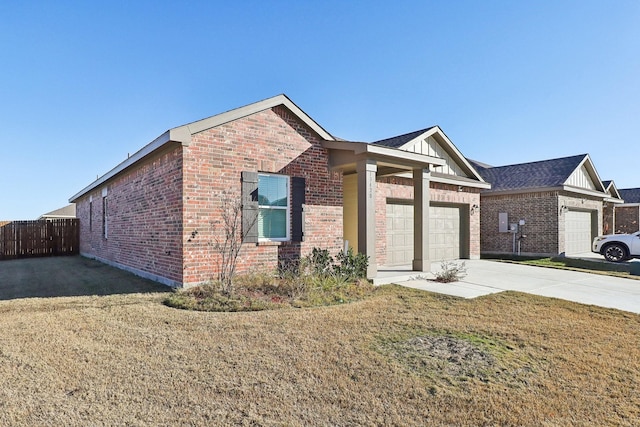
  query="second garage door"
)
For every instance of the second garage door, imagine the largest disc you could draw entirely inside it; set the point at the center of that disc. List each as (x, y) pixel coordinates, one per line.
(578, 226)
(444, 233)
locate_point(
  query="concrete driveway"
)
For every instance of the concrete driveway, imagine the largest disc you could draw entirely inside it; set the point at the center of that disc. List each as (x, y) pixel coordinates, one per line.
(486, 277)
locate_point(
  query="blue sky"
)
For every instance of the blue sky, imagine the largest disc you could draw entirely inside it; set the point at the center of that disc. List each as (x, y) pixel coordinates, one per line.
(84, 83)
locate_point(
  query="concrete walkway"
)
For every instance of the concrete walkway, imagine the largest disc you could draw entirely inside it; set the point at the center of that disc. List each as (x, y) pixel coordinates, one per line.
(486, 277)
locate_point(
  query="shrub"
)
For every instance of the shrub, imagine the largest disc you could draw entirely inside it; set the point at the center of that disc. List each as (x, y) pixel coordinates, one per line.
(351, 266)
(314, 280)
(319, 261)
(451, 272)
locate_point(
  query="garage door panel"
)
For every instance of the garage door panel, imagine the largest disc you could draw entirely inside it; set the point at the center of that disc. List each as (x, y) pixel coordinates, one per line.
(444, 233)
(399, 234)
(578, 231)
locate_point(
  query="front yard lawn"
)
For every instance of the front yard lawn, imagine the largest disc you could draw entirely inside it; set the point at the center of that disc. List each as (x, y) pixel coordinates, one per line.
(398, 357)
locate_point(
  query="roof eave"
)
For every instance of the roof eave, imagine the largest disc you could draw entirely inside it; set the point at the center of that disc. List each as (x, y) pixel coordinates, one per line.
(182, 134)
(165, 138)
(361, 150)
(586, 192)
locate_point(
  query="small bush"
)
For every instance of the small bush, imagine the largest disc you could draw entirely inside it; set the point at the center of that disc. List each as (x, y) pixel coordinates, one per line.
(211, 297)
(351, 266)
(451, 272)
(319, 261)
(314, 280)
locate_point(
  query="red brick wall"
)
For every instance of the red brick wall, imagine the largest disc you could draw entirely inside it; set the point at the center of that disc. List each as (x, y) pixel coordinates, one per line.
(540, 212)
(402, 188)
(544, 224)
(144, 206)
(627, 219)
(272, 141)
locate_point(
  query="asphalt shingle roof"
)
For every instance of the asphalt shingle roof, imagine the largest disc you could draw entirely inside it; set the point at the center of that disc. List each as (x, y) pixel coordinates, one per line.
(399, 141)
(545, 173)
(630, 195)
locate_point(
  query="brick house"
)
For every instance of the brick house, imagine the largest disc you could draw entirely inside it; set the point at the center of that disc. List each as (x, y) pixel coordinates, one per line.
(155, 213)
(545, 208)
(628, 213)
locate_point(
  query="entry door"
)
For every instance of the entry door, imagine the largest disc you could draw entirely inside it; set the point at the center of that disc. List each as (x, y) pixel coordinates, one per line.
(578, 226)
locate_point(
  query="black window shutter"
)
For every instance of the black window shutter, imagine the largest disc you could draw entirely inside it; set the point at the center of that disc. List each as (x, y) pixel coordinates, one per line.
(250, 207)
(297, 209)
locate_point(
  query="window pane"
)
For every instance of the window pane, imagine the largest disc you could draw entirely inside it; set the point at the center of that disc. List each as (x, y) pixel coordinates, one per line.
(272, 190)
(272, 223)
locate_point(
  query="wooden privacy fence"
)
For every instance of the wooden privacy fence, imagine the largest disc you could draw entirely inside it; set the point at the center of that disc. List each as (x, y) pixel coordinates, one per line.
(22, 239)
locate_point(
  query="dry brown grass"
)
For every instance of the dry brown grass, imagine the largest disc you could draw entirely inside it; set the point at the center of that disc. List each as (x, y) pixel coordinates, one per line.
(129, 360)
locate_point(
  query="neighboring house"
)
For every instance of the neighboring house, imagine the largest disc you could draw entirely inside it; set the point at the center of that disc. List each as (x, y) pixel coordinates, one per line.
(68, 211)
(609, 207)
(628, 213)
(547, 207)
(157, 213)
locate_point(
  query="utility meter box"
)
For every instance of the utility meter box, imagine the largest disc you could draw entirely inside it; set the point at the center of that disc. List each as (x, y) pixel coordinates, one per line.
(503, 222)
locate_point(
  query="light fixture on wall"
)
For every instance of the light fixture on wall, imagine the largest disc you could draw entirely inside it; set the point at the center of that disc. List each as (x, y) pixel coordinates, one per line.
(563, 209)
(474, 208)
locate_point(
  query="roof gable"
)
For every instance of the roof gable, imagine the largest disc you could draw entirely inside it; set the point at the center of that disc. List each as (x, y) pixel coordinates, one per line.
(612, 190)
(182, 134)
(576, 172)
(581, 178)
(433, 142)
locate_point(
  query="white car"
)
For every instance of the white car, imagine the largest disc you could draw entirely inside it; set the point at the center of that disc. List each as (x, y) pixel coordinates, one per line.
(618, 247)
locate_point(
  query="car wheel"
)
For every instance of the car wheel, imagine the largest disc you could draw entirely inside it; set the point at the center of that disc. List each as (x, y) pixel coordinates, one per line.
(615, 253)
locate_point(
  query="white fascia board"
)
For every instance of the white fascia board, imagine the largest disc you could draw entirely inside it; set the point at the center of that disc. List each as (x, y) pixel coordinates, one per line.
(521, 191)
(458, 154)
(613, 200)
(567, 188)
(145, 151)
(397, 155)
(628, 205)
(454, 180)
(613, 190)
(603, 195)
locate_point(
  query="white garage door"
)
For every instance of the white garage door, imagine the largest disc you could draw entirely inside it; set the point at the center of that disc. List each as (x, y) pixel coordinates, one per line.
(444, 233)
(577, 232)
(399, 234)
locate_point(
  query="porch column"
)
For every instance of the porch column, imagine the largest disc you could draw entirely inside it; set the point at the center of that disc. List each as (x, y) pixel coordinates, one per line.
(367, 213)
(421, 200)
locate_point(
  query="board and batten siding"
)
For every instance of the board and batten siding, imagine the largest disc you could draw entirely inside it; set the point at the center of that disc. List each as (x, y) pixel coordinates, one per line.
(580, 178)
(430, 147)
